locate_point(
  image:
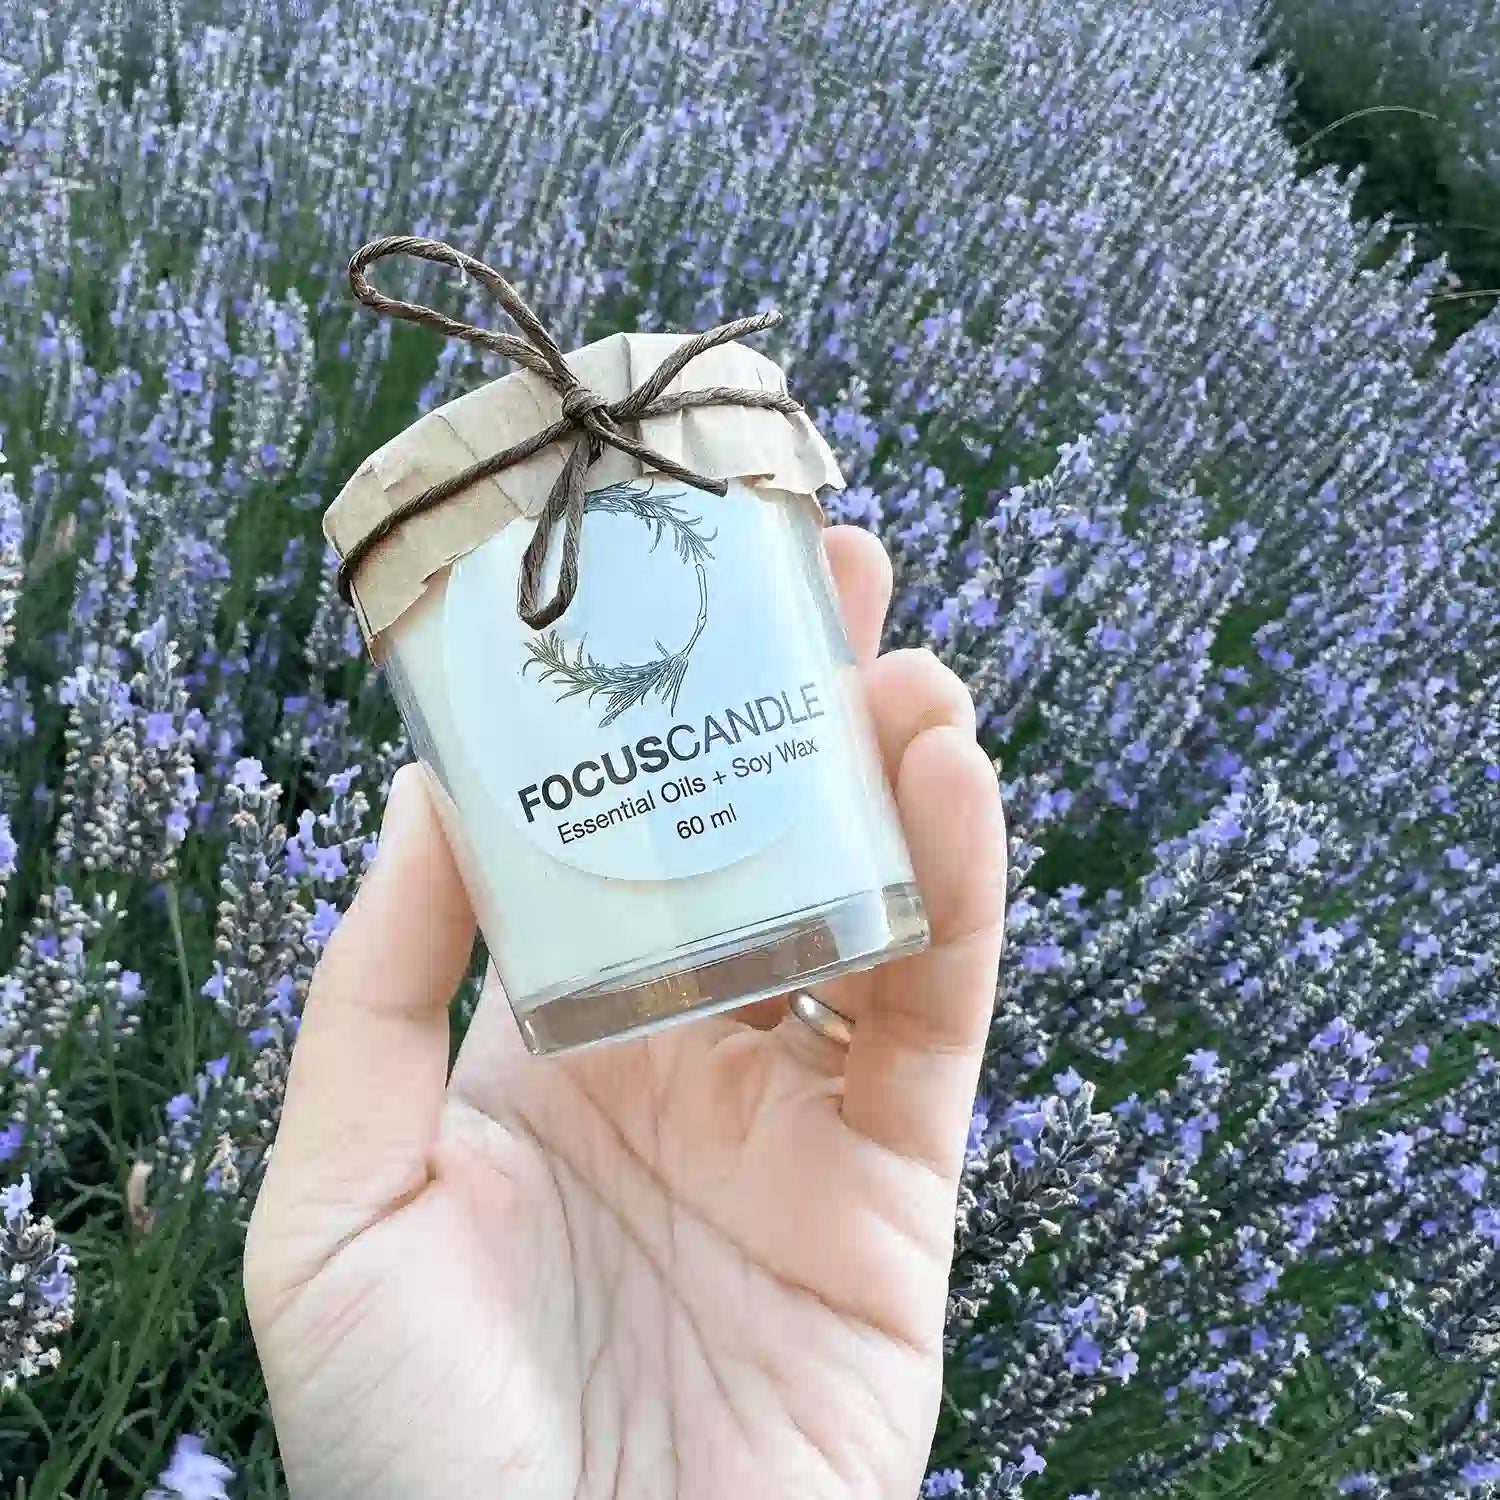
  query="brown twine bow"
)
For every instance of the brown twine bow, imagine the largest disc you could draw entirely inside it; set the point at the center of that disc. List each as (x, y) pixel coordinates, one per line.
(597, 422)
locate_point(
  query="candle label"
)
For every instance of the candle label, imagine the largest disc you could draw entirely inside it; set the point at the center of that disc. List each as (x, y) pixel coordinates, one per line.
(684, 711)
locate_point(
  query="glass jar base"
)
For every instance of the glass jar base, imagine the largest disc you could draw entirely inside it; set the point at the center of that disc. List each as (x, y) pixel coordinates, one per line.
(796, 950)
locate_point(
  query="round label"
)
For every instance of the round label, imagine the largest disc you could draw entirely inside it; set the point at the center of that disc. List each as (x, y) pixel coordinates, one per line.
(679, 716)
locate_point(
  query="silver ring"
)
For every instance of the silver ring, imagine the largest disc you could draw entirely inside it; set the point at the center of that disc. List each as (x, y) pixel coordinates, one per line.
(823, 1019)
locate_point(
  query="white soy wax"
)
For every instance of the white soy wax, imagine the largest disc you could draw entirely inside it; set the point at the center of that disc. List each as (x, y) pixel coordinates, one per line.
(669, 801)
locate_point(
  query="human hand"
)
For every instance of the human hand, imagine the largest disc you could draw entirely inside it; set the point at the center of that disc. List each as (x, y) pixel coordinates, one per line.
(709, 1263)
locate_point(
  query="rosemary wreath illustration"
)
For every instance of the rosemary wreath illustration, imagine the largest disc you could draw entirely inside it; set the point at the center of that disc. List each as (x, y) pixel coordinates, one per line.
(626, 684)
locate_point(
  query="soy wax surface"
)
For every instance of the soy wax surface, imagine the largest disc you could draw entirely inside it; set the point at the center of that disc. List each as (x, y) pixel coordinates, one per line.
(681, 756)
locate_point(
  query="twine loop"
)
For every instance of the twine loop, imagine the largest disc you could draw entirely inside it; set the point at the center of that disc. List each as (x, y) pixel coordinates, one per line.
(591, 421)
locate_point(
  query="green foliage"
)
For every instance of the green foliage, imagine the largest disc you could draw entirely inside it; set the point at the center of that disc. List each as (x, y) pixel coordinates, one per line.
(1424, 139)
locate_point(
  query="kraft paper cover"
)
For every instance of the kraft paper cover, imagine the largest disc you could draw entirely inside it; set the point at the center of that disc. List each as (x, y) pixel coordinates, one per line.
(763, 448)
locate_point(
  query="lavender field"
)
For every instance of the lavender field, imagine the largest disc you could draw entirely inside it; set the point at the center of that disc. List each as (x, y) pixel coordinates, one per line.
(1178, 475)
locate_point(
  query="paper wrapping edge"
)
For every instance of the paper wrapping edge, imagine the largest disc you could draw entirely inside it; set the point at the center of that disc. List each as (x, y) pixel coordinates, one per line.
(766, 449)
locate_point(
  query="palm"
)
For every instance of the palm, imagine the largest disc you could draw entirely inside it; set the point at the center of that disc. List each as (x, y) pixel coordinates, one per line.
(712, 1263)
(680, 1270)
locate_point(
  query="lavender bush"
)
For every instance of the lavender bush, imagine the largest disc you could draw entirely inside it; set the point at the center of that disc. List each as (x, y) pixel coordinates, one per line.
(1175, 475)
(1410, 90)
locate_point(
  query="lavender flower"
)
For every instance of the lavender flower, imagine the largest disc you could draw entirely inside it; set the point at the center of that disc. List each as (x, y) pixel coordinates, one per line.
(193, 1473)
(39, 1301)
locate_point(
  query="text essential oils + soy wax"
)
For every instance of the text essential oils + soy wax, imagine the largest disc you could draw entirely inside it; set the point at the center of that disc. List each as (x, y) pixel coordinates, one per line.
(667, 801)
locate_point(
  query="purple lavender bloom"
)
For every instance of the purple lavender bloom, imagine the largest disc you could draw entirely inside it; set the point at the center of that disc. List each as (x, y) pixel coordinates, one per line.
(341, 781)
(15, 1200)
(1471, 1181)
(942, 1482)
(1031, 1462)
(979, 1125)
(159, 730)
(325, 919)
(1041, 957)
(1067, 1083)
(249, 775)
(193, 1473)
(328, 863)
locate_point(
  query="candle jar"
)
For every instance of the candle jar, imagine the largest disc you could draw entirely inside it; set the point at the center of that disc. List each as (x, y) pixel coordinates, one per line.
(668, 801)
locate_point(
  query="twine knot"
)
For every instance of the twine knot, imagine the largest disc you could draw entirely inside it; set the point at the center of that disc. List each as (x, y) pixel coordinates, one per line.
(578, 403)
(594, 423)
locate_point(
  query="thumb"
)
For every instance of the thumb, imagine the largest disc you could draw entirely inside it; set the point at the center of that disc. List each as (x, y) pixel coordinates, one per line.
(369, 1070)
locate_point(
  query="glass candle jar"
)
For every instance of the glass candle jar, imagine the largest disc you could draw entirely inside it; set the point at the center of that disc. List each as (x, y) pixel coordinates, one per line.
(669, 801)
